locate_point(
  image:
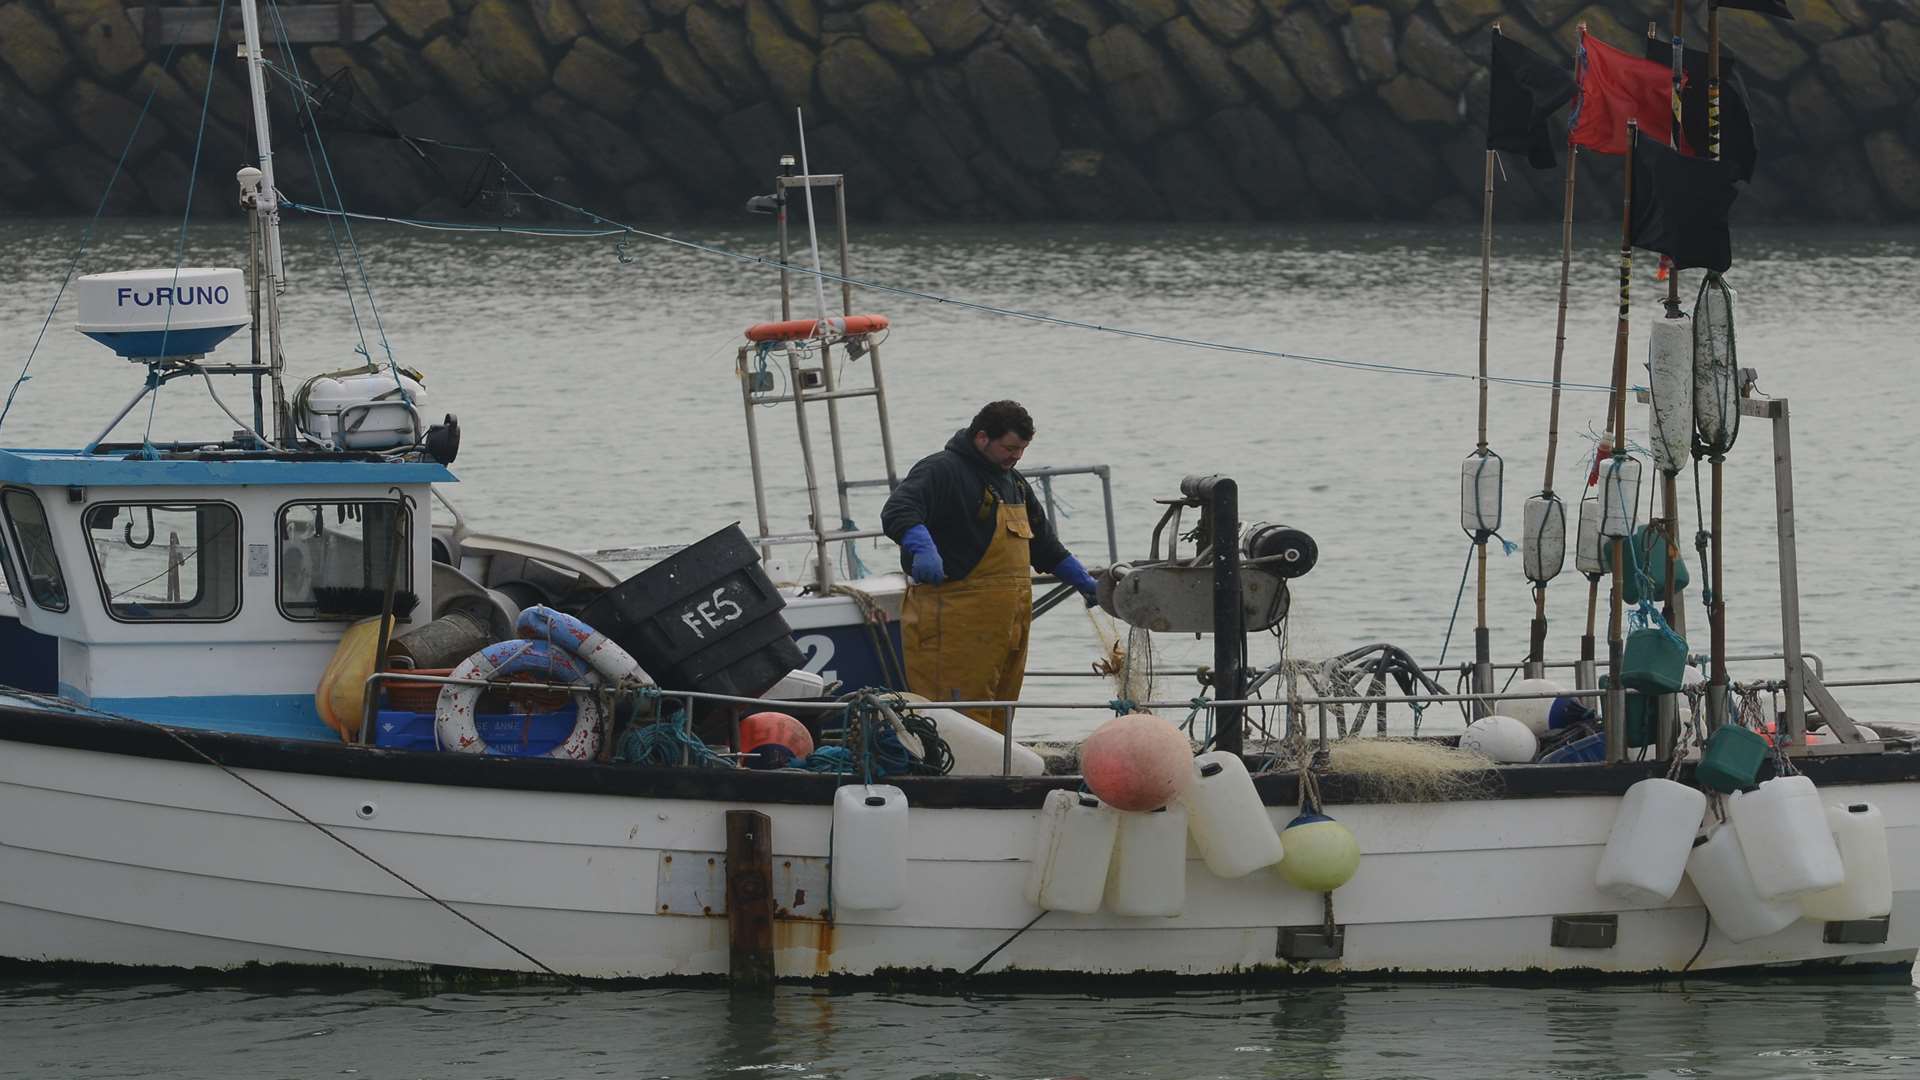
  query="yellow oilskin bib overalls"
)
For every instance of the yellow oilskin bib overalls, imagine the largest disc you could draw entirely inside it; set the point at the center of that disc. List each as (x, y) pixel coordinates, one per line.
(966, 640)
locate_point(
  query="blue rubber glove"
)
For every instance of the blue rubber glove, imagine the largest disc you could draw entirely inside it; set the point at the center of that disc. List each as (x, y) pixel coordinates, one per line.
(927, 568)
(1071, 572)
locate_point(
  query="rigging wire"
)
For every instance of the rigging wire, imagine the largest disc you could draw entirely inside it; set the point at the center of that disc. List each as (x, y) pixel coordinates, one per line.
(86, 234)
(608, 227)
(366, 282)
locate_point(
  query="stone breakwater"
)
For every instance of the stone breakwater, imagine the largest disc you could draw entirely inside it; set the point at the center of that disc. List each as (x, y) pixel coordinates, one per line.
(935, 109)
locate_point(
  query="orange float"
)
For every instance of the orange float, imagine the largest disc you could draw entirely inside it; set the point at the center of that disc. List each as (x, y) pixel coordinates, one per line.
(803, 329)
(1137, 762)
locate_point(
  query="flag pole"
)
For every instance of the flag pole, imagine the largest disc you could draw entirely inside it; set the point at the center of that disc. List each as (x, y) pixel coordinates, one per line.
(1615, 720)
(1669, 482)
(1536, 653)
(1673, 140)
(1716, 611)
(1482, 645)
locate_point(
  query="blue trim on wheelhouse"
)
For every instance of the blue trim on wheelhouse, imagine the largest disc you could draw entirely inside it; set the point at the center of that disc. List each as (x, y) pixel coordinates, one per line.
(66, 468)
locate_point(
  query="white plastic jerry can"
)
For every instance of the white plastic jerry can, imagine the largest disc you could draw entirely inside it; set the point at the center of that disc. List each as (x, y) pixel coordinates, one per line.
(1719, 873)
(869, 847)
(1148, 876)
(1867, 891)
(1230, 825)
(1072, 852)
(1783, 830)
(1652, 837)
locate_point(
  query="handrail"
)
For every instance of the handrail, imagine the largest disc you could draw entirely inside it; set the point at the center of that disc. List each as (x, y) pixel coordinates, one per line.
(374, 680)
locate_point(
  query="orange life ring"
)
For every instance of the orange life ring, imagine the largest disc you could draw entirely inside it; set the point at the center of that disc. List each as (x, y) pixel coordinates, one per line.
(802, 329)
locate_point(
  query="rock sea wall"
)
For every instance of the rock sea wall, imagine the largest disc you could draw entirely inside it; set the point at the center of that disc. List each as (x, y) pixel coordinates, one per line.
(936, 109)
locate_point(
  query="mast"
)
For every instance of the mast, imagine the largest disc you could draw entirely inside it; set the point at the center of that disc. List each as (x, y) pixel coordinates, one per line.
(1717, 704)
(1615, 721)
(266, 205)
(1537, 637)
(1482, 643)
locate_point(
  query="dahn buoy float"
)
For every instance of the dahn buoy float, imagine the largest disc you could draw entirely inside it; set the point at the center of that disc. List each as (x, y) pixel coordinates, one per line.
(1501, 738)
(1534, 712)
(1322, 854)
(773, 740)
(1137, 762)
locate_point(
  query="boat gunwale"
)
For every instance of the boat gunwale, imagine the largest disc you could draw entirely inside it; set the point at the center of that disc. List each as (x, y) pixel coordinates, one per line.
(136, 738)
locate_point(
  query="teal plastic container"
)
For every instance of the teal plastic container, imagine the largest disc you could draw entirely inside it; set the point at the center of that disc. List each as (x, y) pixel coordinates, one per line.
(1643, 718)
(1655, 661)
(1732, 759)
(1650, 548)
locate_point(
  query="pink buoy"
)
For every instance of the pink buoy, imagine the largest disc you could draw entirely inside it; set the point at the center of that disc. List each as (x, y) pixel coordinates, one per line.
(1137, 762)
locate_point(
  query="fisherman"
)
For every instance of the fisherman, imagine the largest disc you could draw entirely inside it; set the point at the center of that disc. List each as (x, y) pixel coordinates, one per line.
(968, 528)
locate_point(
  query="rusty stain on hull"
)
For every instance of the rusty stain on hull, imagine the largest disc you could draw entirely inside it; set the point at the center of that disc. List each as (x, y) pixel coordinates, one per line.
(813, 934)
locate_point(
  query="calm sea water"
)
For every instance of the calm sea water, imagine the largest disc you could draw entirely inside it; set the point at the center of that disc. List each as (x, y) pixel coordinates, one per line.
(1366, 1031)
(600, 408)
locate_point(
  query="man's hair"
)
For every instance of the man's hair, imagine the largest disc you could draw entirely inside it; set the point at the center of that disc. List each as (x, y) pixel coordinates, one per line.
(996, 418)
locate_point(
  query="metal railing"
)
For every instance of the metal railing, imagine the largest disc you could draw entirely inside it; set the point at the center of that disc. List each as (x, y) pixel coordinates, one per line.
(1321, 704)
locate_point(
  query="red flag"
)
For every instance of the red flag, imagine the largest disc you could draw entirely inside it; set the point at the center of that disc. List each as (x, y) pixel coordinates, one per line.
(1616, 87)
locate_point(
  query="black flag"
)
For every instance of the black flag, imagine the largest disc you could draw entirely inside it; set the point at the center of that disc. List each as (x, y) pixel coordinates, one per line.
(1680, 206)
(1775, 8)
(1525, 91)
(1736, 123)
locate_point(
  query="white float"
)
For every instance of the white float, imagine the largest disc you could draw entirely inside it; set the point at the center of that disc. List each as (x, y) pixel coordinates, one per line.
(1652, 837)
(1867, 891)
(1783, 831)
(869, 847)
(1072, 853)
(1148, 874)
(1226, 818)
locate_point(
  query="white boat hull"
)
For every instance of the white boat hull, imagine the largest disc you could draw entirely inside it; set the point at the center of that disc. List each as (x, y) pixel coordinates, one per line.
(117, 859)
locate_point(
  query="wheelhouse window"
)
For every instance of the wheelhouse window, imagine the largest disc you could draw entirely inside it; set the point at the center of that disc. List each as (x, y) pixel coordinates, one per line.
(28, 518)
(166, 562)
(6, 566)
(335, 558)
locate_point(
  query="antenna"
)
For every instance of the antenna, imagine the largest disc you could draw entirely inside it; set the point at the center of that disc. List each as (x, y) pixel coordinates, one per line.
(813, 233)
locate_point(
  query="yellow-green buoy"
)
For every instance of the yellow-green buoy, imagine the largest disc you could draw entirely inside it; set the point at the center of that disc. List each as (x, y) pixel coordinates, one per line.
(1322, 854)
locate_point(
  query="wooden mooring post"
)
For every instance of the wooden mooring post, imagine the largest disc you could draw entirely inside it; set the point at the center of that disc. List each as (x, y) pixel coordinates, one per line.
(749, 901)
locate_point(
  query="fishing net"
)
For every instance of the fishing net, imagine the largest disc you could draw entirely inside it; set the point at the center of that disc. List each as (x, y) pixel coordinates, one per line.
(1413, 770)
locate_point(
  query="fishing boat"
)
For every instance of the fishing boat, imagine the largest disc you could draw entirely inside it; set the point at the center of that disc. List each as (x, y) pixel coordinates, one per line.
(204, 762)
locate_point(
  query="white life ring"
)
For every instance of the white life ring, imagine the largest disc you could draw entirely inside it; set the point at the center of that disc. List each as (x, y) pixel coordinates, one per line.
(615, 664)
(453, 722)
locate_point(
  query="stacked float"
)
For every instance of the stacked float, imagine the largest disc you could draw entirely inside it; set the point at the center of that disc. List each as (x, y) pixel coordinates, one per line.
(1123, 843)
(1776, 855)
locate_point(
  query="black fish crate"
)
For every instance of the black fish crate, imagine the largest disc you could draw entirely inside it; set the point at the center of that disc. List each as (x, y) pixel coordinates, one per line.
(705, 618)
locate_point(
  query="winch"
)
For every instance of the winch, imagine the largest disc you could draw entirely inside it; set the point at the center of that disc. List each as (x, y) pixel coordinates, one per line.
(1175, 592)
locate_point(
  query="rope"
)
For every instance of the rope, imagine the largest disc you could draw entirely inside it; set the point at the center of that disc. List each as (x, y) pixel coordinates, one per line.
(1458, 596)
(667, 741)
(608, 227)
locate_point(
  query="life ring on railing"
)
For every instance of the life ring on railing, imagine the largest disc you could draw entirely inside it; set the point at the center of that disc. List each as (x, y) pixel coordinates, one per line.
(453, 720)
(615, 664)
(802, 329)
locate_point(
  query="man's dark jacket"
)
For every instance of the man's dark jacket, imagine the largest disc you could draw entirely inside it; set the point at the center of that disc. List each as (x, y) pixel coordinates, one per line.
(956, 494)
